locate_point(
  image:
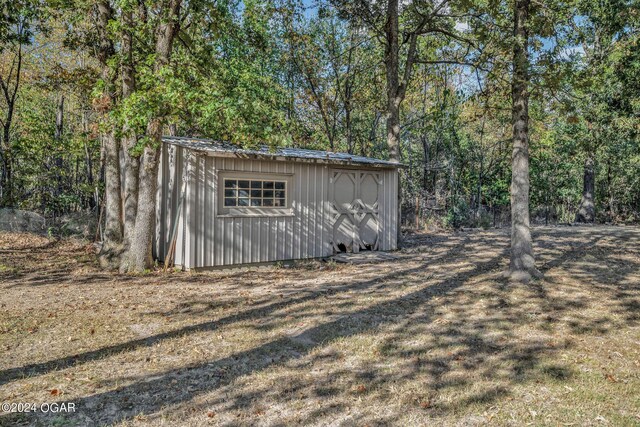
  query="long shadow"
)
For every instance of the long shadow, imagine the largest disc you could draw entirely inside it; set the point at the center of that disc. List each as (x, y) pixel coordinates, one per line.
(12, 374)
(611, 275)
(464, 345)
(556, 262)
(25, 279)
(152, 394)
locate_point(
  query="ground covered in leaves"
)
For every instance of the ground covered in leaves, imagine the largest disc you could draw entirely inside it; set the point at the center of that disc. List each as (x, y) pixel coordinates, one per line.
(436, 337)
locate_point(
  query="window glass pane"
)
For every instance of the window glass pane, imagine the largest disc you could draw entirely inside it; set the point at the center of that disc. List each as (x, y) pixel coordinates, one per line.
(249, 193)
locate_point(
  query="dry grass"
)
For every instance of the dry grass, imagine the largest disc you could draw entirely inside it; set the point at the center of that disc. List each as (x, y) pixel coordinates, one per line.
(434, 338)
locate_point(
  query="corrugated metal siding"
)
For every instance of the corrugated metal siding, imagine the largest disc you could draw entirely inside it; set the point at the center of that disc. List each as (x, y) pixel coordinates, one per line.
(206, 239)
(169, 191)
(388, 211)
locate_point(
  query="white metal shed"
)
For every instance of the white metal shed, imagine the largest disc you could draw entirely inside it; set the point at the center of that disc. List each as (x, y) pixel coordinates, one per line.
(223, 205)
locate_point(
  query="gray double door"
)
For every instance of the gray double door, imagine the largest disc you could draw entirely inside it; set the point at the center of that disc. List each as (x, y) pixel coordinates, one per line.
(354, 197)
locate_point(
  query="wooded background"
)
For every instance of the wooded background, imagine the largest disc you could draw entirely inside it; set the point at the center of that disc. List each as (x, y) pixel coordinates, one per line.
(435, 85)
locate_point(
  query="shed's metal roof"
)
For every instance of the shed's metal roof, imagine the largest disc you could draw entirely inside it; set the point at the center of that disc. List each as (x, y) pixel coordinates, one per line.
(218, 147)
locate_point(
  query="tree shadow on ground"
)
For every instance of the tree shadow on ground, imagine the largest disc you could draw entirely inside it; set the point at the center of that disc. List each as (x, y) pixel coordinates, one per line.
(261, 309)
(434, 337)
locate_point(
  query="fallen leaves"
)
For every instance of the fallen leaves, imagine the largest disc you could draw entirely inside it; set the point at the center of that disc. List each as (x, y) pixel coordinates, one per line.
(432, 345)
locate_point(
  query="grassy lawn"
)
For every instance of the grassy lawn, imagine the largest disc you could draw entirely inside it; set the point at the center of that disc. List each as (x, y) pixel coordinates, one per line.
(436, 337)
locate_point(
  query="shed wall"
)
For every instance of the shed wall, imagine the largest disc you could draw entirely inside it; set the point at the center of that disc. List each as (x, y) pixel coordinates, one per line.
(207, 239)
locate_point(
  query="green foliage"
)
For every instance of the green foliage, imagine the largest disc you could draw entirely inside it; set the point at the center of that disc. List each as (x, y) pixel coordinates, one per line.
(19, 19)
(47, 178)
(457, 215)
(274, 72)
(220, 83)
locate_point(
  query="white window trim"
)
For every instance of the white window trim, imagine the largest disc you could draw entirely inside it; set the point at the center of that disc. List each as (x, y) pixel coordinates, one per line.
(254, 211)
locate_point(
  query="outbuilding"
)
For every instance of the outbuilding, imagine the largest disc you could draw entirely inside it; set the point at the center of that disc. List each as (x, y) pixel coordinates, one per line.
(220, 205)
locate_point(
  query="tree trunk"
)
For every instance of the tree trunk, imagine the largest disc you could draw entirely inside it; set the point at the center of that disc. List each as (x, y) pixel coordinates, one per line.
(59, 119)
(425, 162)
(347, 123)
(7, 178)
(140, 257)
(612, 208)
(141, 244)
(59, 162)
(395, 93)
(522, 265)
(587, 210)
(373, 132)
(131, 161)
(392, 65)
(317, 96)
(10, 95)
(111, 245)
(95, 199)
(479, 190)
(348, 96)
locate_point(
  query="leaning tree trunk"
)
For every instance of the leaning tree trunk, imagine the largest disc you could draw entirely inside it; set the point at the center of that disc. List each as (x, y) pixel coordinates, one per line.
(587, 210)
(522, 265)
(140, 255)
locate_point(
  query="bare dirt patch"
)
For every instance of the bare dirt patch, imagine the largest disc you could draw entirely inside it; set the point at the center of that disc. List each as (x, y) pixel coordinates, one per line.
(435, 337)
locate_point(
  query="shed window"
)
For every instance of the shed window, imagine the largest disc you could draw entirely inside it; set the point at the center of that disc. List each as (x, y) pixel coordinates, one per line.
(256, 193)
